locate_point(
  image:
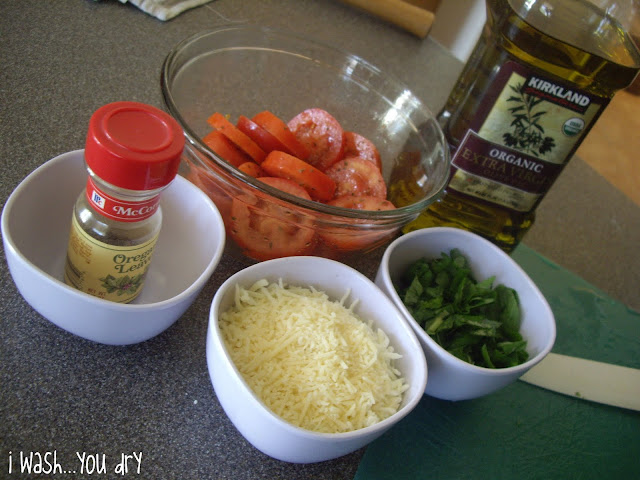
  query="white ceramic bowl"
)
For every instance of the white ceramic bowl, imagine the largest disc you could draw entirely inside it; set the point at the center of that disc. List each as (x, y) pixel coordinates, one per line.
(36, 222)
(449, 377)
(262, 428)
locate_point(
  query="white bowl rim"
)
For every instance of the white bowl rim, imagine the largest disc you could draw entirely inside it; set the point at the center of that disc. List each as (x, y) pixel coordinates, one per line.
(340, 436)
(100, 302)
(316, 207)
(424, 336)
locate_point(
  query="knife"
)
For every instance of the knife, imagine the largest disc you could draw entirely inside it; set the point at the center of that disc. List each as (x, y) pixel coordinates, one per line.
(587, 379)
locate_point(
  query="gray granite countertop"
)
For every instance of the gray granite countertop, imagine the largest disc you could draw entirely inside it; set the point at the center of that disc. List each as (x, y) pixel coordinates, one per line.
(60, 62)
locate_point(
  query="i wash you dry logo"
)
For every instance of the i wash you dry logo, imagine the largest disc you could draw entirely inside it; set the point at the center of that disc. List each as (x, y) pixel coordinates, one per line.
(49, 464)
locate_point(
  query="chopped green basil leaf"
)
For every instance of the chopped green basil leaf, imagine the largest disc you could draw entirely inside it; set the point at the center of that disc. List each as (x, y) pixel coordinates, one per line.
(475, 321)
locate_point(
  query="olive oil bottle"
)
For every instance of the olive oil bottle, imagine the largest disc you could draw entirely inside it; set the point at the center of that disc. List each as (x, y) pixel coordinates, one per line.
(539, 77)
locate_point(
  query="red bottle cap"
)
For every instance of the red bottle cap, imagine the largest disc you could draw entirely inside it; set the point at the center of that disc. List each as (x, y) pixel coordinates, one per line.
(134, 146)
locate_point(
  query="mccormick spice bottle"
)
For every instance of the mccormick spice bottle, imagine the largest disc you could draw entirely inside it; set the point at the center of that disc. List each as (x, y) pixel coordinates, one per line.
(132, 153)
(540, 75)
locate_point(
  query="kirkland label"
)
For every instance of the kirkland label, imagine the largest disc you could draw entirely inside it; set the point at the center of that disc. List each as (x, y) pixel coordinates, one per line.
(554, 93)
(526, 128)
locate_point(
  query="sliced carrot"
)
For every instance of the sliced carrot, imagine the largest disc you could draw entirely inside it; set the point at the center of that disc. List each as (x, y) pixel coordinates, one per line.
(243, 142)
(251, 168)
(265, 140)
(279, 129)
(287, 186)
(282, 165)
(227, 150)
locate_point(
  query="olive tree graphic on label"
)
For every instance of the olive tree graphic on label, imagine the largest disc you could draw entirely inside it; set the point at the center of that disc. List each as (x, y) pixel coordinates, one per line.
(526, 132)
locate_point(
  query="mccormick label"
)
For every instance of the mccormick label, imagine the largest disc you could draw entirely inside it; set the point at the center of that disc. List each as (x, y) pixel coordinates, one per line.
(116, 209)
(526, 128)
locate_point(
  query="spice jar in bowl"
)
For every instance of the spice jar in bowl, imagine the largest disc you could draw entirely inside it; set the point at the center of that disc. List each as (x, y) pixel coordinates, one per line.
(132, 153)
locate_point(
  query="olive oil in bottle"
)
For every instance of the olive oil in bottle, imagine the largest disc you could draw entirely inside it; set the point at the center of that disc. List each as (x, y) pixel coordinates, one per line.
(537, 80)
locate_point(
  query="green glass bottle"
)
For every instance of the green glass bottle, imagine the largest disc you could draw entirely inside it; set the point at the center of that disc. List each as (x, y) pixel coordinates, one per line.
(539, 77)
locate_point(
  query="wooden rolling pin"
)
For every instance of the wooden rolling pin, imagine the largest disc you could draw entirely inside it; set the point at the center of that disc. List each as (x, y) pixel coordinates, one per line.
(409, 17)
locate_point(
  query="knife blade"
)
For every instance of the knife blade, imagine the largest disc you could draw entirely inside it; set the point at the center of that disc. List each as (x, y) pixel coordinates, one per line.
(587, 379)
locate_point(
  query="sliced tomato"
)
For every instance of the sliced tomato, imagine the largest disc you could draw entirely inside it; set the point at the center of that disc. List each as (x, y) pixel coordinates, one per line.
(265, 140)
(356, 145)
(345, 239)
(362, 202)
(322, 134)
(243, 142)
(220, 144)
(251, 168)
(279, 129)
(283, 165)
(265, 229)
(357, 176)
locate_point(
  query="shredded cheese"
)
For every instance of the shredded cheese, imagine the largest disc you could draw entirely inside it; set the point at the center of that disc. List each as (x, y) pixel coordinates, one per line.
(311, 360)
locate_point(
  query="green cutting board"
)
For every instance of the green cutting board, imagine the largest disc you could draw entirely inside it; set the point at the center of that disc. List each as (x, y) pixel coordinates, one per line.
(524, 432)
